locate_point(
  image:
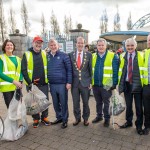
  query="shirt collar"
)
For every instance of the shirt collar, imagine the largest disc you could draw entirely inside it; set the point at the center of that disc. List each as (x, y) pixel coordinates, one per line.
(79, 52)
(101, 55)
(133, 54)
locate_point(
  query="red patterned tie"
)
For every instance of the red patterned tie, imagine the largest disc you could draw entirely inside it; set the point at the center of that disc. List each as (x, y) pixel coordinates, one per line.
(130, 69)
(79, 61)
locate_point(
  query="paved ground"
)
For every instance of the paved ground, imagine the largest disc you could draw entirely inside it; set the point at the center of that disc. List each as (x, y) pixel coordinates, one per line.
(93, 137)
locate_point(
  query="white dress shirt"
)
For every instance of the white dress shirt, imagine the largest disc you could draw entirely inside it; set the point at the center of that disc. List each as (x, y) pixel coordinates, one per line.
(81, 55)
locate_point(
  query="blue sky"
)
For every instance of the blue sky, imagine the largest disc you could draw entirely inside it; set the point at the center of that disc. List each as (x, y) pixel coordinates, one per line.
(86, 12)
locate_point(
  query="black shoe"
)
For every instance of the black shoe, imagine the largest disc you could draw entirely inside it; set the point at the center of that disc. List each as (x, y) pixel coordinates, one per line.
(86, 123)
(139, 131)
(146, 131)
(64, 125)
(97, 119)
(76, 122)
(56, 122)
(126, 125)
(106, 123)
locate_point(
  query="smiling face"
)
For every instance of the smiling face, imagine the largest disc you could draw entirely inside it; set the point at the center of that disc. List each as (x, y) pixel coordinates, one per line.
(80, 44)
(53, 46)
(101, 46)
(37, 45)
(130, 45)
(8, 47)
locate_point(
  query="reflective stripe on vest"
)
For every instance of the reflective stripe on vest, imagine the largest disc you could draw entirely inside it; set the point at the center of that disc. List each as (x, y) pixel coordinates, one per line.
(29, 58)
(140, 64)
(107, 70)
(11, 71)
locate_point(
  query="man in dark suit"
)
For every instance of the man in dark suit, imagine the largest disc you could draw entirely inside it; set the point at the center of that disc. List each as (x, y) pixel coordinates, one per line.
(130, 83)
(82, 75)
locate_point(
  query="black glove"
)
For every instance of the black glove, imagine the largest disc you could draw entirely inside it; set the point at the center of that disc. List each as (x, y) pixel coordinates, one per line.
(18, 94)
(29, 87)
(113, 87)
(36, 81)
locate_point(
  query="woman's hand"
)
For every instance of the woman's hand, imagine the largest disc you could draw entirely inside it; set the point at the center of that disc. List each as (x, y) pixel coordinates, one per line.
(17, 84)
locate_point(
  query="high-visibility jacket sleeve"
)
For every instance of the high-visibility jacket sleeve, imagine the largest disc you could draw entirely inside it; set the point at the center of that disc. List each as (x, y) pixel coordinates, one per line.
(2, 75)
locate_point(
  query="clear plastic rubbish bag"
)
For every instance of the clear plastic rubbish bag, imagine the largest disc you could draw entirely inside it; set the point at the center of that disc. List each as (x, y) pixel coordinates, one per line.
(117, 103)
(15, 126)
(108, 84)
(36, 101)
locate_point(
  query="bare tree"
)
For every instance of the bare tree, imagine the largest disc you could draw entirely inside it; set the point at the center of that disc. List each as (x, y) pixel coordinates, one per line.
(129, 22)
(117, 26)
(102, 25)
(54, 24)
(12, 20)
(24, 14)
(43, 24)
(104, 22)
(66, 25)
(2, 22)
(70, 22)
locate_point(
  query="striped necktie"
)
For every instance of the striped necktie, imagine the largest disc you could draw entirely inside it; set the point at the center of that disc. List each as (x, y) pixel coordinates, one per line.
(130, 69)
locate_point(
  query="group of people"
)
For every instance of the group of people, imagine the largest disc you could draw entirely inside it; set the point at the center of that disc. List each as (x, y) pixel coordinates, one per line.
(80, 71)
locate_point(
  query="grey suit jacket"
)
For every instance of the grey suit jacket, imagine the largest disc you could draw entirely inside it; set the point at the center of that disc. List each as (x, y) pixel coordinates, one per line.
(84, 74)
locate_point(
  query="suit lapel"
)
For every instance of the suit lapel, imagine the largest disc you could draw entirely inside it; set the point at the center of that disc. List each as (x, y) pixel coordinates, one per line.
(74, 56)
(74, 59)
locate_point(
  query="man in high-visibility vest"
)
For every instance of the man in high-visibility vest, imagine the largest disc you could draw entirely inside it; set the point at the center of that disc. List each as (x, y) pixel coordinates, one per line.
(146, 88)
(104, 80)
(34, 70)
(130, 82)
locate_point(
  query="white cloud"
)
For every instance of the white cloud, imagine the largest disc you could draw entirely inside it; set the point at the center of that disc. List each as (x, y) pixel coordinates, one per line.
(86, 12)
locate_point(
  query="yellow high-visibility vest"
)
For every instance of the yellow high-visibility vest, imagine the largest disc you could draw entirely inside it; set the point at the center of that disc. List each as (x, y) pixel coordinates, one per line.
(146, 56)
(140, 64)
(107, 70)
(11, 71)
(30, 62)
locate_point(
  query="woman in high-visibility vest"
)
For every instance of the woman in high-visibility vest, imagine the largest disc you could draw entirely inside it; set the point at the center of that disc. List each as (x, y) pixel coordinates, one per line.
(10, 71)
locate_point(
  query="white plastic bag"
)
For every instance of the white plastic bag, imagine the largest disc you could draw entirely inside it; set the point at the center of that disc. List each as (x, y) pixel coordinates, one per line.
(36, 101)
(117, 103)
(15, 126)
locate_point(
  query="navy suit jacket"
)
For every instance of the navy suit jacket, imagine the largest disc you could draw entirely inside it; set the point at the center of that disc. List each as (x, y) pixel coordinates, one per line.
(84, 74)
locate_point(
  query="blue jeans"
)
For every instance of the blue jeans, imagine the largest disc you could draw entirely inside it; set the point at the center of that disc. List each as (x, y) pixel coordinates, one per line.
(59, 95)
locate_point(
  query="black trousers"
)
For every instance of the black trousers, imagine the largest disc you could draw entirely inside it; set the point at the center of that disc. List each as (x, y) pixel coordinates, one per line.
(146, 103)
(84, 93)
(129, 104)
(8, 97)
(102, 101)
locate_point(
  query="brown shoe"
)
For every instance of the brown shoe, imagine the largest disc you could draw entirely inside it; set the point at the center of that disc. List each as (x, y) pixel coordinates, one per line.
(76, 122)
(86, 123)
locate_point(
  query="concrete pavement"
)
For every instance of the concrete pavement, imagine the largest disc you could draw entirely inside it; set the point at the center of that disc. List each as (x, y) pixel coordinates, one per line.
(93, 137)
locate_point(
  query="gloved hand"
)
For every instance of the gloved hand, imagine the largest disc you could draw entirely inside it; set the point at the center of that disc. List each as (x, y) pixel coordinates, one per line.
(113, 87)
(35, 81)
(18, 94)
(29, 87)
